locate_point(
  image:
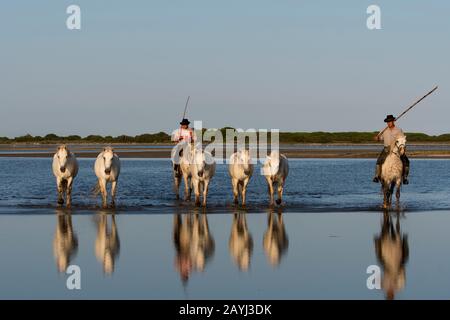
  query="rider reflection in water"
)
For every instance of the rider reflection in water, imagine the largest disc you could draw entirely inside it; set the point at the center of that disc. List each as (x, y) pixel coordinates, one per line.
(194, 244)
(392, 250)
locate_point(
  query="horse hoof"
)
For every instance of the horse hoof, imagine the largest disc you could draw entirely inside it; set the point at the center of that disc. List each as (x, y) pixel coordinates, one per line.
(60, 201)
(278, 201)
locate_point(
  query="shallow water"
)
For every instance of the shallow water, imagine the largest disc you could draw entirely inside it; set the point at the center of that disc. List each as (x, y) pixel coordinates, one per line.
(28, 185)
(318, 246)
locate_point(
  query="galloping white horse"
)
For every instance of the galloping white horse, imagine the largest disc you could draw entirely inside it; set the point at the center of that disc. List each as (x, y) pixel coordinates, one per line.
(182, 170)
(65, 169)
(241, 170)
(276, 170)
(202, 169)
(392, 171)
(107, 169)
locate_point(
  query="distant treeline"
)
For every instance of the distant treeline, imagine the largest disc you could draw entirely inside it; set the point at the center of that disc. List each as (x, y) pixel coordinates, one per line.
(285, 137)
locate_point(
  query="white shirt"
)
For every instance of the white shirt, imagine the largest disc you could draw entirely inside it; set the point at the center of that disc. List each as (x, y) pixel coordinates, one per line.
(390, 135)
(185, 135)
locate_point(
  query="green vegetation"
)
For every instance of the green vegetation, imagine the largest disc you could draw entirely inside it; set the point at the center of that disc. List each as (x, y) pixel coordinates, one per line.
(160, 137)
(285, 137)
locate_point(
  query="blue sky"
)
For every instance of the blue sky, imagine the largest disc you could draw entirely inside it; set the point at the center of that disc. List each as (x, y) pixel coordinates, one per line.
(290, 65)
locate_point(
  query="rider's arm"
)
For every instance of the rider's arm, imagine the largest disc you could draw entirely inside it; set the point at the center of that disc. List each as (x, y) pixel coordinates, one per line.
(176, 136)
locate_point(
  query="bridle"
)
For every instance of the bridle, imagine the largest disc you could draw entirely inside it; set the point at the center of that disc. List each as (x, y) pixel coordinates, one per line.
(398, 146)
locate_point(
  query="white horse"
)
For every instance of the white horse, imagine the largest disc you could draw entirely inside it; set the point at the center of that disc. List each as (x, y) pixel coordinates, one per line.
(202, 169)
(65, 241)
(107, 170)
(241, 170)
(240, 243)
(276, 170)
(194, 244)
(107, 243)
(65, 169)
(182, 169)
(392, 171)
(275, 240)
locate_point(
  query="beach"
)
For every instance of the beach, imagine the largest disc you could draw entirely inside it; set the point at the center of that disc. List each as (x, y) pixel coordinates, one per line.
(162, 151)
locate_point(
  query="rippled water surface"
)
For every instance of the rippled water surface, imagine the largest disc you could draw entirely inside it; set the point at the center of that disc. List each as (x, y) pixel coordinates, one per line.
(318, 245)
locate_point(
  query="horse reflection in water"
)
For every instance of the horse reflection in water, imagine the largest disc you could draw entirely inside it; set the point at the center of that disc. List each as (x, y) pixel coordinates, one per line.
(241, 241)
(392, 251)
(275, 240)
(194, 244)
(65, 241)
(107, 243)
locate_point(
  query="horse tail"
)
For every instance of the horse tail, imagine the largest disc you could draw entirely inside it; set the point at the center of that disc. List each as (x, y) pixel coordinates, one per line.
(96, 190)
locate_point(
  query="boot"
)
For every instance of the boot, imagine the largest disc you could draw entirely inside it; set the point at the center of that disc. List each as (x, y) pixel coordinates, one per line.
(376, 179)
(405, 175)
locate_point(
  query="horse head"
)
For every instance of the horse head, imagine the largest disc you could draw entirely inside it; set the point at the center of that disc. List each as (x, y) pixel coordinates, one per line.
(108, 156)
(400, 145)
(201, 159)
(273, 162)
(244, 158)
(62, 153)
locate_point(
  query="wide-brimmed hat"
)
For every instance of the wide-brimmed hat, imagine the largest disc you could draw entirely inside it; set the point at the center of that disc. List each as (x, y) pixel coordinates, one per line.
(185, 122)
(389, 118)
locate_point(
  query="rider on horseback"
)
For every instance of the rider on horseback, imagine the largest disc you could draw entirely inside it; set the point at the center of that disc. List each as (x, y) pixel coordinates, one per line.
(388, 137)
(183, 135)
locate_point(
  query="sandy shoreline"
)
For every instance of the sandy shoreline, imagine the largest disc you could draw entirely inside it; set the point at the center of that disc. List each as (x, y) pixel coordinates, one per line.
(163, 151)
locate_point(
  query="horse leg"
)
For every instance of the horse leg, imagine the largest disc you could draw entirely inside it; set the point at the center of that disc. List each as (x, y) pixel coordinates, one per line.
(391, 192)
(176, 180)
(205, 191)
(187, 188)
(59, 187)
(280, 192)
(113, 193)
(102, 183)
(385, 195)
(196, 185)
(270, 185)
(69, 192)
(397, 194)
(234, 183)
(244, 191)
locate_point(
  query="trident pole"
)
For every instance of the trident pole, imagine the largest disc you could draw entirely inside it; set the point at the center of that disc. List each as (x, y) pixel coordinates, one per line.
(409, 108)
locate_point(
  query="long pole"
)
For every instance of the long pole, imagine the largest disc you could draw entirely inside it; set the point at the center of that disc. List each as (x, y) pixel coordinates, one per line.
(409, 108)
(184, 114)
(185, 107)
